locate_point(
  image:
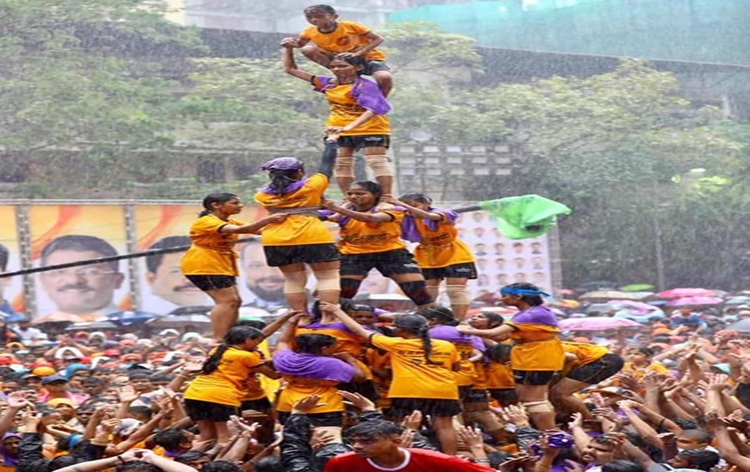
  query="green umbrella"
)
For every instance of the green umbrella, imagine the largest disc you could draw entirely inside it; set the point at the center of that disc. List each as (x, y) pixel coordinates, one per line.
(525, 216)
(637, 288)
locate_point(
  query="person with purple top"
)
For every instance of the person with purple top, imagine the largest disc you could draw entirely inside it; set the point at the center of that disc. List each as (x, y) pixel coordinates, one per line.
(537, 351)
(358, 116)
(302, 239)
(313, 367)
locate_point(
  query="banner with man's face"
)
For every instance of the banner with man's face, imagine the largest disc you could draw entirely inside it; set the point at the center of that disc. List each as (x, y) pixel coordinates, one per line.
(11, 289)
(69, 233)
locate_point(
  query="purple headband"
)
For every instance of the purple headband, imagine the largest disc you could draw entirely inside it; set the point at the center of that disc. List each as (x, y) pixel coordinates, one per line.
(283, 163)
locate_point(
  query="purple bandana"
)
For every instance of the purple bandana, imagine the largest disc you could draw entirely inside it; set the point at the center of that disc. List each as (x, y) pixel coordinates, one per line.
(312, 366)
(288, 188)
(410, 232)
(367, 93)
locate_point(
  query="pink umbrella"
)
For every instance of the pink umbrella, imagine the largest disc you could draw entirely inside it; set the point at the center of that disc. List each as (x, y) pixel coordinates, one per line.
(695, 301)
(639, 307)
(596, 323)
(686, 292)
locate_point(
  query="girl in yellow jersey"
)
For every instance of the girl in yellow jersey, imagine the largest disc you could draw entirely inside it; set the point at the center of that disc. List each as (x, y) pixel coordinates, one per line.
(537, 352)
(423, 372)
(211, 263)
(302, 239)
(497, 374)
(588, 364)
(358, 116)
(440, 254)
(217, 392)
(370, 237)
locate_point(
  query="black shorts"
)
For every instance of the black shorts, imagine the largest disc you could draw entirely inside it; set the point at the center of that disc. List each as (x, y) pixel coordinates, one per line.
(335, 418)
(198, 410)
(402, 407)
(212, 282)
(504, 396)
(367, 389)
(365, 141)
(277, 256)
(533, 377)
(262, 405)
(399, 261)
(476, 396)
(456, 271)
(463, 391)
(374, 66)
(599, 370)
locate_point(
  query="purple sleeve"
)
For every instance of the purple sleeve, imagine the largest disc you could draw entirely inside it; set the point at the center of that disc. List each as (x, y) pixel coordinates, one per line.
(324, 83)
(478, 344)
(450, 215)
(536, 315)
(370, 97)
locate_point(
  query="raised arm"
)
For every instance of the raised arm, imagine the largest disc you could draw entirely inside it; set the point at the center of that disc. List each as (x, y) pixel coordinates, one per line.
(501, 333)
(348, 321)
(253, 228)
(290, 65)
(378, 217)
(416, 212)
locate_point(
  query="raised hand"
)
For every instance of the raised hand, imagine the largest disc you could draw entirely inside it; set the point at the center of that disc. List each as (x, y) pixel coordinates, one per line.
(357, 400)
(127, 394)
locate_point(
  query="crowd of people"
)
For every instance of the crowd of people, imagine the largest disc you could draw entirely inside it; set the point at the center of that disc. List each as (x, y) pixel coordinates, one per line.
(335, 385)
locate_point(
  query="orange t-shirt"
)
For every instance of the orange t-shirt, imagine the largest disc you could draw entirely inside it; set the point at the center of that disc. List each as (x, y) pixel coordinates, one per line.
(347, 37)
(536, 347)
(498, 376)
(226, 385)
(440, 246)
(413, 377)
(641, 372)
(297, 229)
(360, 237)
(585, 354)
(345, 109)
(298, 388)
(211, 251)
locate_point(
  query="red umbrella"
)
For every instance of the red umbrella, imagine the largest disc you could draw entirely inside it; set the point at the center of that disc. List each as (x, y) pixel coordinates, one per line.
(686, 292)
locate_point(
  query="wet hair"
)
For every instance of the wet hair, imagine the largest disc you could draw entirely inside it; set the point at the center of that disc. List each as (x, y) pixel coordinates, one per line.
(280, 179)
(269, 464)
(222, 466)
(685, 424)
(416, 197)
(211, 198)
(702, 436)
(623, 466)
(4, 256)
(356, 61)
(79, 243)
(153, 261)
(257, 324)
(92, 381)
(647, 351)
(374, 429)
(533, 300)
(170, 439)
(327, 9)
(495, 319)
(137, 466)
(701, 459)
(236, 335)
(63, 461)
(190, 456)
(313, 343)
(372, 187)
(347, 306)
(139, 375)
(499, 353)
(328, 452)
(443, 315)
(417, 324)
(141, 411)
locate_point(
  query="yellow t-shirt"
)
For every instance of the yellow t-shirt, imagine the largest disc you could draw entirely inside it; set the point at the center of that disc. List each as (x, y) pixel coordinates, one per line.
(226, 385)
(211, 252)
(347, 37)
(440, 247)
(345, 109)
(640, 372)
(298, 388)
(585, 354)
(297, 229)
(467, 374)
(536, 347)
(413, 377)
(498, 376)
(360, 237)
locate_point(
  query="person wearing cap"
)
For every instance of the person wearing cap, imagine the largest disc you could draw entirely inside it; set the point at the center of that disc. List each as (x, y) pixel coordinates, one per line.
(358, 117)
(56, 386)
(423, 372)
(302, 239)
(537, 352)
(211, 262)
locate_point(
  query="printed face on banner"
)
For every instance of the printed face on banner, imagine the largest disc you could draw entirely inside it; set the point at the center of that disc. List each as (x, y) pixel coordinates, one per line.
(11, 289)
(163, 287)
(70, 233)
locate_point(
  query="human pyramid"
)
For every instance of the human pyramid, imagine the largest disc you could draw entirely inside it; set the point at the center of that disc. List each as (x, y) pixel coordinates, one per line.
(433, 364)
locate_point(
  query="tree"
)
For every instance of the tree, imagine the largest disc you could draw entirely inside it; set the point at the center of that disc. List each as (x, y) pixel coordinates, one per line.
(81, 91)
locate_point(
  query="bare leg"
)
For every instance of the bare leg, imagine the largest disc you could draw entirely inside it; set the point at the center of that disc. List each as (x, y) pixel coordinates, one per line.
(458, 294)
(325, 270)
(446, 434)
(433, 287)
(420, 296)
(294, 286)
(344, 170)
(536, 394)
(313, 53)
(562, 397)
(226, 311)
(381, 167)
(206, 430)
